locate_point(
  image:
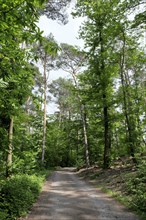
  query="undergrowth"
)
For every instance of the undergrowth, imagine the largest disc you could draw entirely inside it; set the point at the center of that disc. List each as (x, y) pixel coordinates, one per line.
(18, 193)
(136, 188)
(126, 184)
(133, 193)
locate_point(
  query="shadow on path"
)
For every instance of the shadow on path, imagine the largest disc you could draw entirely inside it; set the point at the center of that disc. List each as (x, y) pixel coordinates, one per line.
(66, 197)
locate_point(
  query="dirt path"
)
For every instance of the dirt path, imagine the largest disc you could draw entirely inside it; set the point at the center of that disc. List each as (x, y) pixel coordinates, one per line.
(66, 197)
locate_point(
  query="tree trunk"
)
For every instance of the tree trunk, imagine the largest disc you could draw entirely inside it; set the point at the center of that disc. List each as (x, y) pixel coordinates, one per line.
(28, 112)
(126, 102)
(107, 141)
(84, 124)
(44, 119)
(10, 149)
(129, 126)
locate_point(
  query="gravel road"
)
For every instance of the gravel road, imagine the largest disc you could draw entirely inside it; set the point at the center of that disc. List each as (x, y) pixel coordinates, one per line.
(66, 197)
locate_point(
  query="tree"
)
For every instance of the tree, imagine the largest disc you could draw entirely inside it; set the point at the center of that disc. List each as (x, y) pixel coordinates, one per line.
(18, 24)
(72, 60)
(97, 33)
(56, 10)
(13, 97)
(131, 92)
(18, 32)
(137, 8)
(61, 90)
(66, 123)
(110, 41)
(46, 51)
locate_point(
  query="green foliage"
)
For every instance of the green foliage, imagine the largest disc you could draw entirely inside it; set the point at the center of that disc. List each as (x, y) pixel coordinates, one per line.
(59, 147)
(113, 79)
(136, 186)
(25, 163)
(18, 194)
(56, 10)
(80, 162)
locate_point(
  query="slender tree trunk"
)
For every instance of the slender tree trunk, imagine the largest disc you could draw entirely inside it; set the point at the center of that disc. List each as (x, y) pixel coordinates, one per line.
(138, 100)
(117, 139)
(77, 146)
(10, 149)
(127, 104)
(27, 106)
(44, 120)
(28, 112)
(84, 124)
(107, 141)
(128, 124)
(60, 116)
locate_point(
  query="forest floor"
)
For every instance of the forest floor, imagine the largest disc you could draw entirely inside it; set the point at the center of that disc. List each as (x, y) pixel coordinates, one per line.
(69, 195)
(114, 182)
(113, 179)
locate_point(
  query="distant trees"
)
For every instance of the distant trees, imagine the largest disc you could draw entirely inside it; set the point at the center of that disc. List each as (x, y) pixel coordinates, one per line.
(72, 61)
(61, 127)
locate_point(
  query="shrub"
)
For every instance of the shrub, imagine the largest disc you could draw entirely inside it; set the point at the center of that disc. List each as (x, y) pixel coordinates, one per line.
(18, 194)
(136, 187)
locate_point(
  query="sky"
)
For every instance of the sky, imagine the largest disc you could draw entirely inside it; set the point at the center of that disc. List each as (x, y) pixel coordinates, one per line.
(63, 34)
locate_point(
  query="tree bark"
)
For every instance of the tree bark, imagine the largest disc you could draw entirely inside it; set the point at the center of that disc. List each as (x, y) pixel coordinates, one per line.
(127, 104)
(84, 124)
(107, 141)
(44, 119)
(28, 112)
(10, 149)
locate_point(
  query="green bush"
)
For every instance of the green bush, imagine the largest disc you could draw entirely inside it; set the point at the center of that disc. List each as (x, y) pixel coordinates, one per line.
(137, 188)
(18, 194)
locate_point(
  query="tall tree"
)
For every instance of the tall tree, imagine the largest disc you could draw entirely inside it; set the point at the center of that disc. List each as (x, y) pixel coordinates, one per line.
(72, 60)
(106, 31)
(97, 33)
(46, 51)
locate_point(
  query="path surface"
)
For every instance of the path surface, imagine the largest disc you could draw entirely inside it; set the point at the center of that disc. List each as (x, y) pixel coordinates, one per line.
(66, 197)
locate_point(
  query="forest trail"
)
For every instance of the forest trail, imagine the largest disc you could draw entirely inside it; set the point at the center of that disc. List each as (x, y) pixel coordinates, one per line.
(66, 197)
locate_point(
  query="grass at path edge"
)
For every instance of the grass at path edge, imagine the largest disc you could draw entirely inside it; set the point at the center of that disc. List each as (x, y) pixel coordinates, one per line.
(125, 184)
